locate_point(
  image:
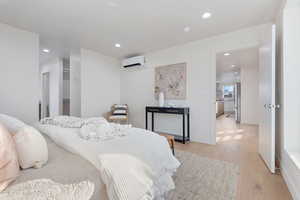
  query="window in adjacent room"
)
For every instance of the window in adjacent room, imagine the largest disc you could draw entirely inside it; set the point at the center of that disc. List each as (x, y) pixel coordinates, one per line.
(228, 91)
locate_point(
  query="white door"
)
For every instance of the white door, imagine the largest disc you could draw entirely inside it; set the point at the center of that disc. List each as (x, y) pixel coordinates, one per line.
(267, 98)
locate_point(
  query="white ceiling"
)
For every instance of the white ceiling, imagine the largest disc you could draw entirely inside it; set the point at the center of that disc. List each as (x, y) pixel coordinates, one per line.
(238, 59)
(140, 26)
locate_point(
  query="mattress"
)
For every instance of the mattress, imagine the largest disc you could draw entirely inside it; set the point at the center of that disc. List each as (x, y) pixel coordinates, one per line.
(66, 168)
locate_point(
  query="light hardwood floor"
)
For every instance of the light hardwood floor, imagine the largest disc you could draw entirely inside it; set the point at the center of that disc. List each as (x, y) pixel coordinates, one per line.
(239, 144)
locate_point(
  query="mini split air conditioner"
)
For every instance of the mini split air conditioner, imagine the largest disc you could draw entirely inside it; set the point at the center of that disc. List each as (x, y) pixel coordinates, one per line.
(138, 61)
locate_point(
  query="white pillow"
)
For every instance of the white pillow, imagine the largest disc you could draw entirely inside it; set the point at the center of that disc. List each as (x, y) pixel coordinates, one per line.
(96, 120)
(12, 124)
(120, 112)
(31, 147)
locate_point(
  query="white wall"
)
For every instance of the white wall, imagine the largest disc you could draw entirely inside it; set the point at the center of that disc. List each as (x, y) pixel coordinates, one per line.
(137, 86)
(75, 85)
(291, 39)
(228, 78)
(100, 83)
(55, 69)
(288, 147)
(19, 83)
(250, 94)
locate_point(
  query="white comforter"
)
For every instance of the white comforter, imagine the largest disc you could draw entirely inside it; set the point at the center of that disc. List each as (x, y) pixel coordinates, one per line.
(145, 145)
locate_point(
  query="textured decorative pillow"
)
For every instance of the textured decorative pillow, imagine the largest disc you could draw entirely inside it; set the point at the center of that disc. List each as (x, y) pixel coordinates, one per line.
(31, 147)
(12, 124)
(9, 166)
(120, 110)
(124, 106)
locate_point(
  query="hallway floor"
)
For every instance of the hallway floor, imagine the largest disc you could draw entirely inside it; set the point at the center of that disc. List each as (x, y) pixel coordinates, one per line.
(239, 144)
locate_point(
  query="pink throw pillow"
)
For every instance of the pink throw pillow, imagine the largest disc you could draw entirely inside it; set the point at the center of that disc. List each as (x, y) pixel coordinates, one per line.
(9, 166)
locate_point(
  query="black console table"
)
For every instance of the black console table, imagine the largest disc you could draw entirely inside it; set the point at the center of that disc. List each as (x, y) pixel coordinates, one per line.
(184, 111)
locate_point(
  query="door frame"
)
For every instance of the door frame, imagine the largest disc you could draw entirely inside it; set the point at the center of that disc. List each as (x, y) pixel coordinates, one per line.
(213, 139)
(42, 99)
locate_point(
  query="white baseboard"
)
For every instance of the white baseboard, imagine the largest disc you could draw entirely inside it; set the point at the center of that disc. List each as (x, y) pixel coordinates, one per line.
(291, 175)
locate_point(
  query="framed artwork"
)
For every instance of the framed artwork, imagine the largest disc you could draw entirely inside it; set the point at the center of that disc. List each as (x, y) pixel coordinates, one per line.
(171, 80)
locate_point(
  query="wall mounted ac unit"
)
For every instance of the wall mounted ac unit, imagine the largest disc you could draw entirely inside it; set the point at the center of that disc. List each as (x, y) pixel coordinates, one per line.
(137, 61)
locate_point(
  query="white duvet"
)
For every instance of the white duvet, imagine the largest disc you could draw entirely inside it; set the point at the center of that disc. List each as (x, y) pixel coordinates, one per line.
(147, 146)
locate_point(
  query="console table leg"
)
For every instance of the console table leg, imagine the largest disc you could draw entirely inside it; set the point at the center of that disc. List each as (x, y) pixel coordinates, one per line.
(173, 147)
(152, 124)
(146, 121)
(188, 126)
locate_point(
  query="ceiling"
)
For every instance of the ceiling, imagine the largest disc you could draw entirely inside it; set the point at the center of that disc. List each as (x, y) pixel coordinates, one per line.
(232, 64)
(140, 26)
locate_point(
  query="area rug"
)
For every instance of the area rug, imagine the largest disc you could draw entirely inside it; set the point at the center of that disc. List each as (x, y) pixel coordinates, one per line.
(200, 178)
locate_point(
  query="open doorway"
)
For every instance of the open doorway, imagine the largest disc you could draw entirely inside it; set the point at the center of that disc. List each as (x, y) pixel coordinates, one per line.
(237, 93)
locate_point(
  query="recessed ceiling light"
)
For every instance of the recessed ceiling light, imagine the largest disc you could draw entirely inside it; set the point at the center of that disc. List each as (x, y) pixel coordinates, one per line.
(227, 54)
(46, 50)
(233, 66)
(117, 45)
(206, 15)
(187, 29)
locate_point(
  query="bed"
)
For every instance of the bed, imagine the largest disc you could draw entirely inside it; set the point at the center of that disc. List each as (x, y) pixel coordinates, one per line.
(73, 159)
(67, 168)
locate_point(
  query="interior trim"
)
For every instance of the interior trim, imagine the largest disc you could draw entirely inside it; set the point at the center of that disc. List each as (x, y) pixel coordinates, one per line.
(291, 175)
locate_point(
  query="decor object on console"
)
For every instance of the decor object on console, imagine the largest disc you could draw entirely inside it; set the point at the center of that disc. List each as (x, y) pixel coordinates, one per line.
(171, 80)
(161, 99)
(119, 114)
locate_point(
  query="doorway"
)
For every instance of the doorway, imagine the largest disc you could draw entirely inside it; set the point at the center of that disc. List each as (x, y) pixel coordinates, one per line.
(257, 78)
(237, 92)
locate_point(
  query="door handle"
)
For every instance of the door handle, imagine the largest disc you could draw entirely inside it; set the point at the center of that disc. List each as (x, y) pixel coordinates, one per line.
(270, 106)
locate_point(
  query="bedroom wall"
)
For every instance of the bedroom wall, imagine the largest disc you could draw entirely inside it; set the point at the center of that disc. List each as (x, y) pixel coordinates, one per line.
(250, 94)
(75, 85)
(55, 68)
(137, 85)
(100, 83)
(19, 88)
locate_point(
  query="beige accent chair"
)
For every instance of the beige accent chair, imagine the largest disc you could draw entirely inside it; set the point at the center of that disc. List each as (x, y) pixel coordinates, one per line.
(114, 117)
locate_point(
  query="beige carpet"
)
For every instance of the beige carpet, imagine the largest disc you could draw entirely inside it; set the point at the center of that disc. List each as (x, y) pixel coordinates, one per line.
(200, 178)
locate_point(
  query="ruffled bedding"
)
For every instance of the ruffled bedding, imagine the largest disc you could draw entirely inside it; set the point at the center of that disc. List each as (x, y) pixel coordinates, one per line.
(147, 146)
(97, 128)
(102, 132)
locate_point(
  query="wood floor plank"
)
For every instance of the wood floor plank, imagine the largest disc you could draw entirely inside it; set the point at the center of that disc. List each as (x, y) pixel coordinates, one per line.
(239, 144)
